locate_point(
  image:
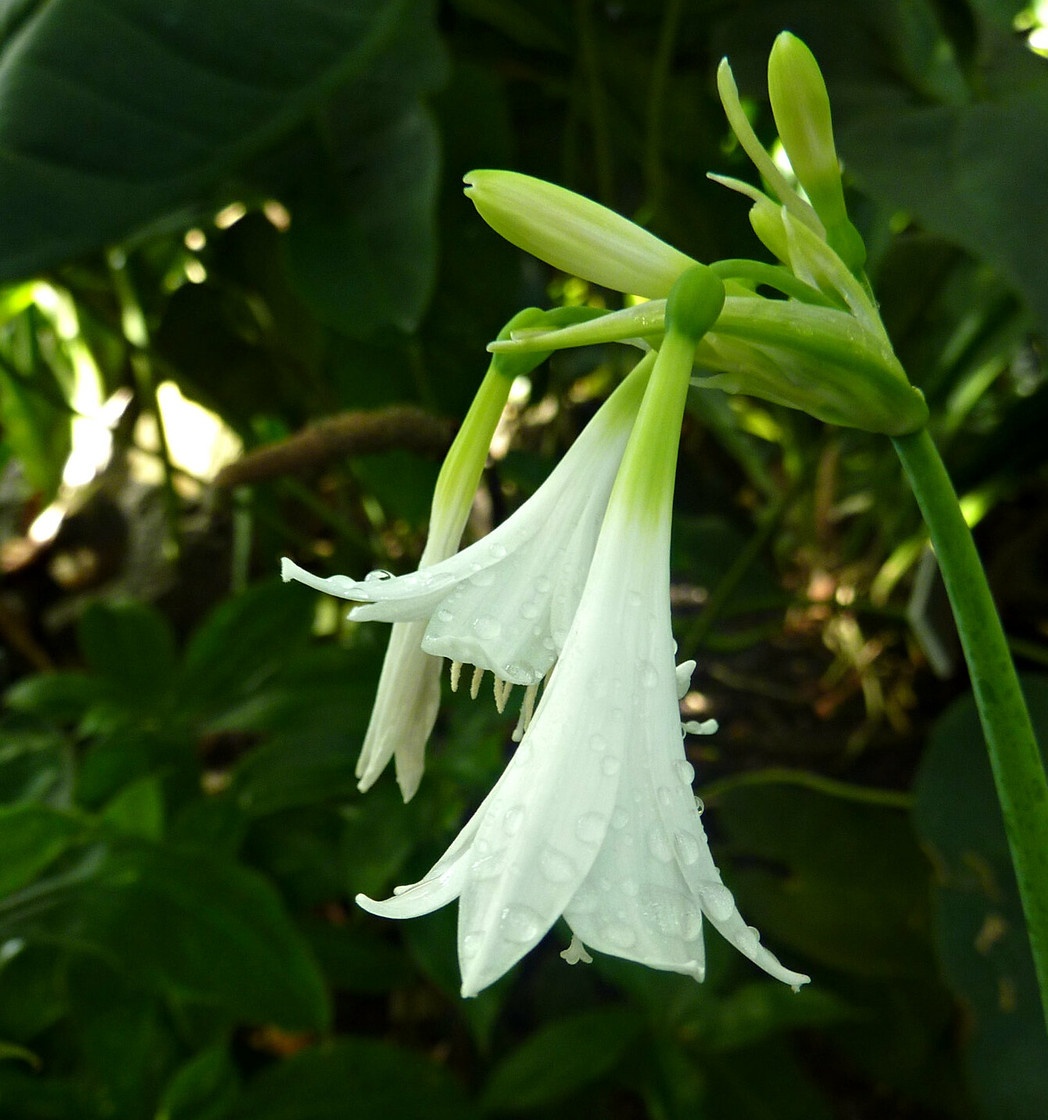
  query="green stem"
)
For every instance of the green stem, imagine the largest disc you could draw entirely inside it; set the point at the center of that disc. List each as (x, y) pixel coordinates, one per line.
(1014, 756)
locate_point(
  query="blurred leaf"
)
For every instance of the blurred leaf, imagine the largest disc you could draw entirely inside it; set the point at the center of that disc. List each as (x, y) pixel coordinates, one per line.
(92, 153)
(979, 922)
(202, 930)
(355, 959)
(241, 645)
(132, 647)
(203, 1089)
(362, 247)
(61, 697)
(34, 766)
(560, 1058)
(31, 837)
(36, 431)
(367, 1078)
(138, 809)
(844, 883)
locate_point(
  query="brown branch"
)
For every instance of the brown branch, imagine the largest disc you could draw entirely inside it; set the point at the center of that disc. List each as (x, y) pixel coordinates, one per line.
(400, 427)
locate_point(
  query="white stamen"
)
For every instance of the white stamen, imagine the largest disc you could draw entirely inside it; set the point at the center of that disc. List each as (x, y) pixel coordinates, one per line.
(576, 952)
(527, 708)
(502, 689)
(474, 684)
(455, 672)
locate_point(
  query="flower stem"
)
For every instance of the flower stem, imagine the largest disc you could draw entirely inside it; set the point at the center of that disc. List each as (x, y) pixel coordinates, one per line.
(1014, 755)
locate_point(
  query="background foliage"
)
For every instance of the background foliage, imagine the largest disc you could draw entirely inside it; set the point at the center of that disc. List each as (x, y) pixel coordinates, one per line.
(259, 204)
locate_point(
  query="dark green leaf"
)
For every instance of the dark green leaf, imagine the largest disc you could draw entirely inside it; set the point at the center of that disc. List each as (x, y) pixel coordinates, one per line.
(979, 921)
(31, 837)
(200, 929)
(561, 1058)
(132, 647)
(203, 1089)
(357, 1076)
(90, 151)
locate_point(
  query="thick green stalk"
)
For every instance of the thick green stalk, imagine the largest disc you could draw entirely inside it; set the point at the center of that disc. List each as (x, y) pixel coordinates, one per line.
(1014, 756)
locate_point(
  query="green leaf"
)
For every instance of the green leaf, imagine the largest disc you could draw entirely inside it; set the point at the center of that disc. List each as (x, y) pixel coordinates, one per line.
(844, 883)
(354, 1076)
(200, 930)
(241, 646)
(362, 247)
(117, 113)
(31, 837)
(132, 647)
(61, 697)
(979, 924)
(138, 809)
(561, 1058)
(203, 1089)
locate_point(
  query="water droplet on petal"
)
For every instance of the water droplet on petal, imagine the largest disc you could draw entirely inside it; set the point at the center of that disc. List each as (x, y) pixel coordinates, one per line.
(444, 615)
(688, 848)
(471, 944)
(665, 796)
(530, 609)
(484, 578)
(684, 770)
(498, 551)
(543, 584)
(659, 845)
(700, 806)
(487, 627)
(610, 765)
(377, 574)
(589, 828)
(717, 901)
(633, 598)
(598, 743)
(647, 674)
(513, 819)
(630, 888)
(619, 818)
(520, 924)
(556, 866)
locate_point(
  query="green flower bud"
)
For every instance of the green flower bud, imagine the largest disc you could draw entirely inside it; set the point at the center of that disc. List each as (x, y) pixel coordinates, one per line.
(575, 234)
(801, 107)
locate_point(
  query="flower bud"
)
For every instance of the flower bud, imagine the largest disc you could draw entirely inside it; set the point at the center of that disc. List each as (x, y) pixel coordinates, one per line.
(801, 107)
(575, 234)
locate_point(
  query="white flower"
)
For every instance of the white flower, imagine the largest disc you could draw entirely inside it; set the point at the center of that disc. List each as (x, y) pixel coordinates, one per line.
(505, 603)
(594, 818)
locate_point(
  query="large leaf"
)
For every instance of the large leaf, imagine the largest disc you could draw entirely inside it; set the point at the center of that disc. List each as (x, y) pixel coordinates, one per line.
(979, 920)
(200, 930)
(31, 837)
(115, 113)
(354, 1077)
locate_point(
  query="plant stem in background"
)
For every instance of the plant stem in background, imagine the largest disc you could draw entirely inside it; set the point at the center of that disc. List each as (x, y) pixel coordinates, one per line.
(1014, 755)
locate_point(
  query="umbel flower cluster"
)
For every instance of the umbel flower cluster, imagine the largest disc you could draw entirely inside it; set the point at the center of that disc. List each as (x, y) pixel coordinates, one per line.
(594, 818)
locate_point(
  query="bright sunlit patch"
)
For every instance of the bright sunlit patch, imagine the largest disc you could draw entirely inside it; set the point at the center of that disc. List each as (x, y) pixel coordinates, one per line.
(199, 443)
(1033, 20)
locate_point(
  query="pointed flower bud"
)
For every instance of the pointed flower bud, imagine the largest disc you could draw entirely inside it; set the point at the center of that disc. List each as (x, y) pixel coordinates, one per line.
(575, 234)
(801, 107)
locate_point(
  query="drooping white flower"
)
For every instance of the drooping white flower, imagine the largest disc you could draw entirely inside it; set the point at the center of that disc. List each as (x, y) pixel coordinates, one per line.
(505, 603)
(594, 818)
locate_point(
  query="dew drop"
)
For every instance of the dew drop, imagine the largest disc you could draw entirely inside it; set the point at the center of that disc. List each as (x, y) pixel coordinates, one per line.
(444, 615)
(589, 828)
(471, 944)
(498, 551)
(513, 819)
(598, 743)
(700, 806)
(520, 925)
(684, 771)
(619, 818)
(556, 866)
(665, 796)
(633, 598)
(530, 609)
(688, 848)
(610, 765)
(487, 627)
(659, 845)
(484, 578)
(690, 923)
(543, 584)
(377, 574)
(717, 901)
